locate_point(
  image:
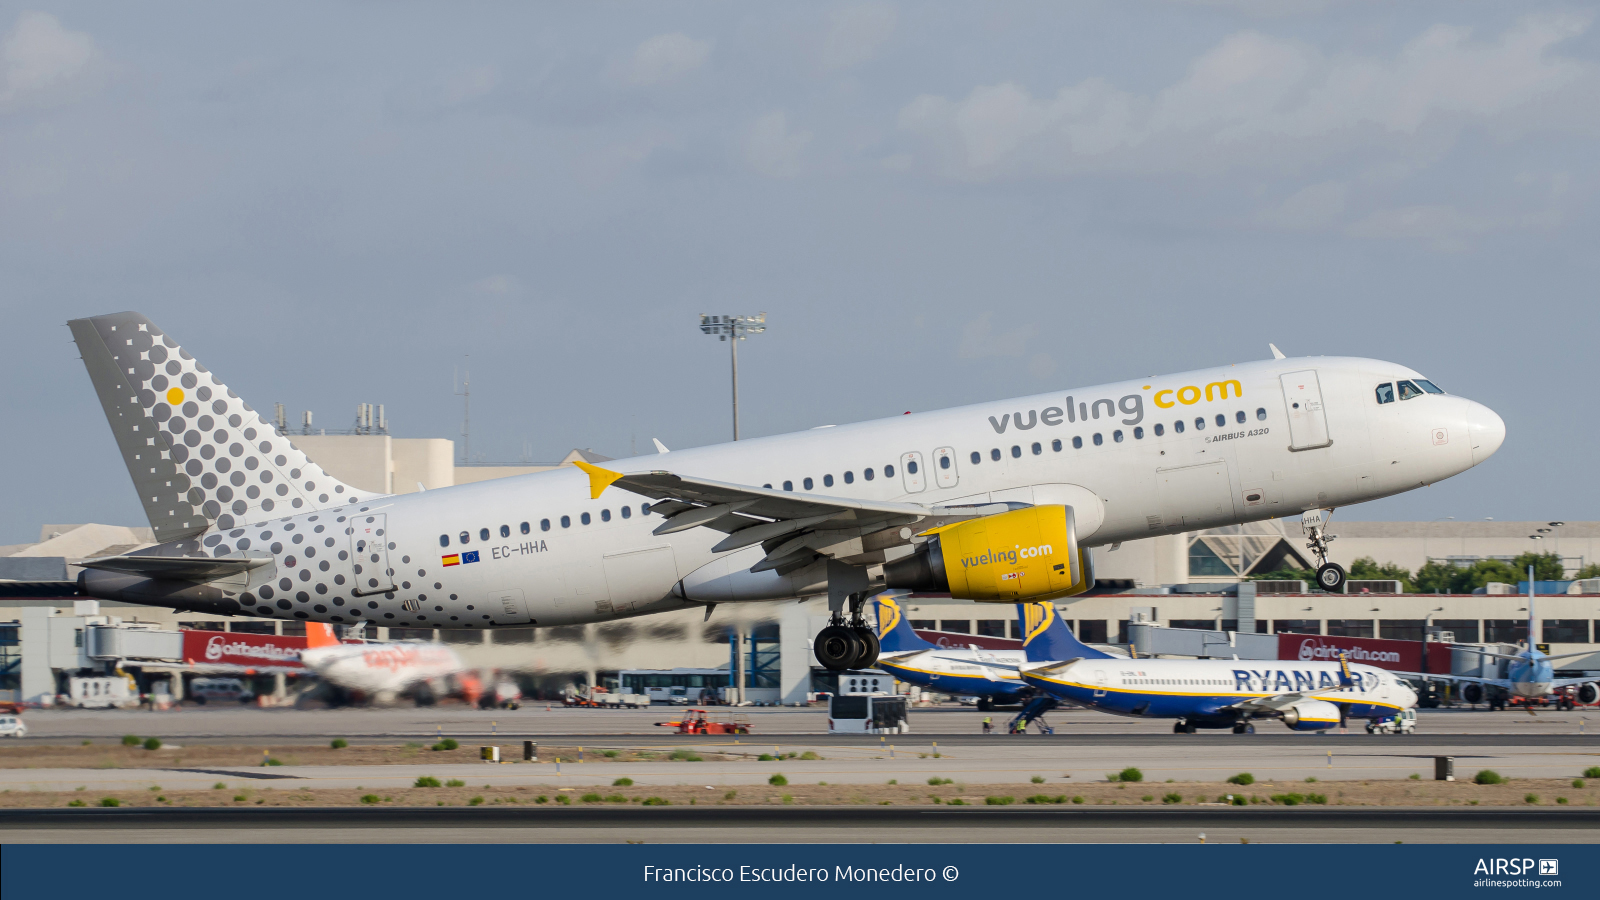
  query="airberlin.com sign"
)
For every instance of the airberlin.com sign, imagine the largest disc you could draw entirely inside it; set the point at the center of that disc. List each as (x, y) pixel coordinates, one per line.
(1402, 656)
(251, 651)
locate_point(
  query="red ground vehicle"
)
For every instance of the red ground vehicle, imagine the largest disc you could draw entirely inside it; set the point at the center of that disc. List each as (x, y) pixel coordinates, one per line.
(696, 721)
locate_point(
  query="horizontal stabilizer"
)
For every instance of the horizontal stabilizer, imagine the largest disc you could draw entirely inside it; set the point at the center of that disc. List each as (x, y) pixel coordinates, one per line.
(178, 568)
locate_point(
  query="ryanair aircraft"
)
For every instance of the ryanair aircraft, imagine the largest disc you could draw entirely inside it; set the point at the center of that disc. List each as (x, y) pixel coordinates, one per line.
(949, 670)
(995, 502)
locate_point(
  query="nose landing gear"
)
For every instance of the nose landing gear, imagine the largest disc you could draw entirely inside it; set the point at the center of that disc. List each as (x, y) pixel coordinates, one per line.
(1330, 576)
(847, 644)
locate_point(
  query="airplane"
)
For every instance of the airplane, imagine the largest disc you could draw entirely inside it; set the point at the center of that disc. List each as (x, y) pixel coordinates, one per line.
(994, 502)
(948, 670)
(1211, 693)
(1530, 674)
(374, 668)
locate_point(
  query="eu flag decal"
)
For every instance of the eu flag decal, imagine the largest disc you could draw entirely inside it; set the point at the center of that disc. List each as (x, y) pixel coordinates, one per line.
(471, 556)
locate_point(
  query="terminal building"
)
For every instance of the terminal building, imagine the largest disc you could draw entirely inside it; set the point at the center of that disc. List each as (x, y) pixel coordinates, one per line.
(1210, 580)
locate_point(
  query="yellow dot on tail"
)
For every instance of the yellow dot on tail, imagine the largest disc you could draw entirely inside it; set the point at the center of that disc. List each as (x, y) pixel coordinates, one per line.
(175, 396)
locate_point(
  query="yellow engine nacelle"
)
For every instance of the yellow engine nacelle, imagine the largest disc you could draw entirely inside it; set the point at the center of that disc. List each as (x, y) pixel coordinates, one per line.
(1025, 554)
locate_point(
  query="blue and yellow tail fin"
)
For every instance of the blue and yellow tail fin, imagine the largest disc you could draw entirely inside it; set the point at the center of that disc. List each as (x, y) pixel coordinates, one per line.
(1345, 678)
(1046, 638)
(894, 631)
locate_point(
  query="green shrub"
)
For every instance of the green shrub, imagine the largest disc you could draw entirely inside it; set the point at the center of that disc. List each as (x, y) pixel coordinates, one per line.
(447, 744)
(1561, 800)
(240, 798)
(1531, 798)
(541, 799)
(1414, 776)
(788, 798)
(609, 754)
(1240, 800)
(563, 799)
(894, 781)
(369, 799)
(152, 743)
(219, 786)
(622, 782)
(1242, 778)
(591, 798)
(655, 801)
(1488, 776)
(730, 795)
(683, 755)
(339, 743)
(1318, 799)
(956, 801)
(1297, 799)
(1592, 772)
(766, 757)
(77, 803)
(778, 780)
(1037, 779)
(455, 782)
(110, 801)
(1311, 780)
(1041, 799)
(427, 781)
(936, 781)
(999, 801)
(1172, 798)
(475, 801)
(1577, 782)
(1148, 797)
(1129, 774)
(129, 740)
(809, 755)
(1077, 799)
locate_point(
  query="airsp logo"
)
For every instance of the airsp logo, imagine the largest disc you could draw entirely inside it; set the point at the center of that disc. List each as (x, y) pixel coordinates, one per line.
(1549, 867)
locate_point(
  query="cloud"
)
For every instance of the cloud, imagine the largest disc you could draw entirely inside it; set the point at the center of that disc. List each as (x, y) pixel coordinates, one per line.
(42, 63)
(772, 149)
(1445, 227)
(979, 340)
(856, 33)
(1317, 206)
(665, 58)
(1254, 98)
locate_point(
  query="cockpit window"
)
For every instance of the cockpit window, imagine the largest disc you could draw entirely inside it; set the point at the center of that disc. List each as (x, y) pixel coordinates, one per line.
(1429, 386)
(1408, 390)
(1386, 393)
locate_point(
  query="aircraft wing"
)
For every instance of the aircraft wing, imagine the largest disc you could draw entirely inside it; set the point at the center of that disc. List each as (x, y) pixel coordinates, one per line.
(794, 528)
(178, 568)
(1280, 702)
(1434, 676)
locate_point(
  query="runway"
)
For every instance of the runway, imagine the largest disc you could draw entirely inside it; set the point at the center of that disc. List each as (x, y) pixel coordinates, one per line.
(804, 825)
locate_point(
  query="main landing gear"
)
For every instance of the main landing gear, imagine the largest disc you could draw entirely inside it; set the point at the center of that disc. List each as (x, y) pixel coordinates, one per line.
(1330, 576)
(847, 643)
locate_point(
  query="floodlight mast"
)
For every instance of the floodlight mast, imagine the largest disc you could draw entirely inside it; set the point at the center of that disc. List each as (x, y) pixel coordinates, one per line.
(734, 329)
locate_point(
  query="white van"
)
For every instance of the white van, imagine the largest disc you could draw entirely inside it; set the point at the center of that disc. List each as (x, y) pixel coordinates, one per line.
(868, 714)
(220, 689)
(100, 692)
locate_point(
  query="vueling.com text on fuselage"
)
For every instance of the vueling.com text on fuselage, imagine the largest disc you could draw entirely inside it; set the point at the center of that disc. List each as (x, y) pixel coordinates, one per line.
(1131, 406)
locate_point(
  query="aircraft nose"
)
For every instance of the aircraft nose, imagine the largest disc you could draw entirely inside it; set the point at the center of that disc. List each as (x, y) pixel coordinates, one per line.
(1486, 429)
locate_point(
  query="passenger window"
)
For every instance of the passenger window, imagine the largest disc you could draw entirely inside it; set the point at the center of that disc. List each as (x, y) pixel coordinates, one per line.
(1160, 429)
(1261, 413)
(1429, 386)
(605, 515)
(944, 462)
(1408, 390)
(585, 519)
(767, 486)
(1199, 424)
(1222, 420)
(1056, 445)
(526, 528)
(566, 521)
(1077, 443)
(1098, 440)
(976, 456)
(1177, 426)
(888, 471)
(1037, 448)
(627, 512)
(995, 454)
(849, 478)
(466, 537)
(827, 481)
(1138, 433)
(644, 509)
(483, 534)
(1239, 417)
(444, 540)
(867, 474)
(1016, 451)
(911, 467)
(1385, 393)
(505, 531)
(788, 485)
(1117, 435)
(807, 483)
(544, 524)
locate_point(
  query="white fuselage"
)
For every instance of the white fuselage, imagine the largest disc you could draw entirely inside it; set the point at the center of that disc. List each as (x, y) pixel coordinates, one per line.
(378, 667)
(959, 670)
(547, 554)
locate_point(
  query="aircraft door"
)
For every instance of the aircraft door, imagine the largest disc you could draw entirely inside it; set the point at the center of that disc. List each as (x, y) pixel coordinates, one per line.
(1308, 423)
(911, 472)
(1100, 682)
(944, 467)
(369, 554)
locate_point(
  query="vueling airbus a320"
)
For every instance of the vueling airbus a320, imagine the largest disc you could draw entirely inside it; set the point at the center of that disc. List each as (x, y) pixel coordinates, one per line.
(995, 502)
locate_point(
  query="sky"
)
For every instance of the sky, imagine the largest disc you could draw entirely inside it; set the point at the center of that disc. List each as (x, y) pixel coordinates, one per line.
(934, 204)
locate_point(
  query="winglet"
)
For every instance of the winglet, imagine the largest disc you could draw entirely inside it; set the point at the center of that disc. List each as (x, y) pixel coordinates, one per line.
(660, 447)
(1276, 353)
(599, 479)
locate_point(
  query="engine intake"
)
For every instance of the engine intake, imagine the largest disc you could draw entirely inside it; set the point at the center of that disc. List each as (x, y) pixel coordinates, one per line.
(1312, 715)
(1025, 554)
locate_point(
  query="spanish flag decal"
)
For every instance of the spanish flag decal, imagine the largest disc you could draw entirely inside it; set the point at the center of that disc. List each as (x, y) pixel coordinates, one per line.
(453, 559)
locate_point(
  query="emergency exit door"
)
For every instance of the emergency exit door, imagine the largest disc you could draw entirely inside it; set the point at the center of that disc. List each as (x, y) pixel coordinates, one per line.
(1308, 424)
(369, 554)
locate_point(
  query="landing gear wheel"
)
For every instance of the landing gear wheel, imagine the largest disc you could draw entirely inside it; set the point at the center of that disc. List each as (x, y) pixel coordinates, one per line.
(1331, 577)
(868, 645)
(836, 647)
(985, 704)
(1244, 728)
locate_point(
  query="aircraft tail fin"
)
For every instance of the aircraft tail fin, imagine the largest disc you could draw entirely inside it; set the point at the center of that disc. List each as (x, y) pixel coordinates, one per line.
(199, 456)
(1345, 678)
(1046, 638)
(320, 634)
(894, 630)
